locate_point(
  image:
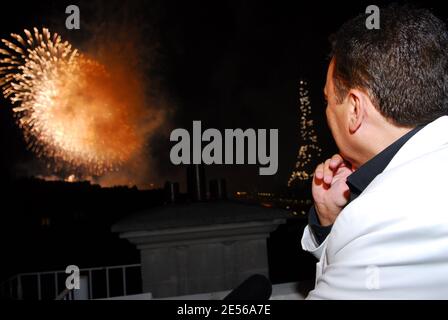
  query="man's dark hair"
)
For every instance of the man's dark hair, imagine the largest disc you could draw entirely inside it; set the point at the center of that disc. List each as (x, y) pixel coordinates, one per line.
(403, 66)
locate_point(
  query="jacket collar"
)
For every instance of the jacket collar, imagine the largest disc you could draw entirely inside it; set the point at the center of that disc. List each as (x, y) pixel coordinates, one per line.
(430, 138)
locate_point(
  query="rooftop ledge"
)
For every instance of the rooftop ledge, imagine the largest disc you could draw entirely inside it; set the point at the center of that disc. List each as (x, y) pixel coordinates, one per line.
(283, 291)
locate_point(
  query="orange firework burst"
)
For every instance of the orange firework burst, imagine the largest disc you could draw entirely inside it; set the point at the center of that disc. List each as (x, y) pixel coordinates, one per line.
(72, 108)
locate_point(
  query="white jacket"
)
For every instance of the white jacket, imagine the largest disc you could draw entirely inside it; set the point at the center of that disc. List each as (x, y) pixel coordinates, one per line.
(392, 241)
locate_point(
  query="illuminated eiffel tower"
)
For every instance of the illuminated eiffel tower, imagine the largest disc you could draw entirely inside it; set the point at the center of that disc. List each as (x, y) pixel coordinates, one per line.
(309, 150)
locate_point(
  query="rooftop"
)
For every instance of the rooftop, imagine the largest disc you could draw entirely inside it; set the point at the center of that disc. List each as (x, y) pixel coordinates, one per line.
(197, 214)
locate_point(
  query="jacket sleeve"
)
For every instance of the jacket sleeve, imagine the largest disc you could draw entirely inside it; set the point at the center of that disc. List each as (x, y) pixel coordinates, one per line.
(314, 235)
(310, 244)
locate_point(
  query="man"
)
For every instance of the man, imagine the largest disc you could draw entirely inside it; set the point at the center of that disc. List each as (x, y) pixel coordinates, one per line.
(379, 225)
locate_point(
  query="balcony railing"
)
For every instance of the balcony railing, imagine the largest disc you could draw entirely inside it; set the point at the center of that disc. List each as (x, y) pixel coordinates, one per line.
(96, 283)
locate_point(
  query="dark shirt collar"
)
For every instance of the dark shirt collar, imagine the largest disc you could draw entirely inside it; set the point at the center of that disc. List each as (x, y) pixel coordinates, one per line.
(361, 178)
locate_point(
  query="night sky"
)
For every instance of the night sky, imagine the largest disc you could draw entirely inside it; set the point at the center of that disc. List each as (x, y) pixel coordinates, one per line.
(230, 64)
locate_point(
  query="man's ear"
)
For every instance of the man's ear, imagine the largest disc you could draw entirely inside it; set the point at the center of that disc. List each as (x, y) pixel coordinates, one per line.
(356, 113)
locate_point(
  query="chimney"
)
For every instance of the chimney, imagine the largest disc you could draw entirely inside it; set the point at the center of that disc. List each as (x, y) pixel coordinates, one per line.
(171, 192)
(196, 187)
(218, 189)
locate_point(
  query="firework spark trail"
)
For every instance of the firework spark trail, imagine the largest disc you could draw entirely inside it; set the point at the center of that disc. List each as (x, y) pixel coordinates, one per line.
(71, 108)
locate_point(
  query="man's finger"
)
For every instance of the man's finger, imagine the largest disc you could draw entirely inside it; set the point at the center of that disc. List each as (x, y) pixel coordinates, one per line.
(336, 161)
(319, 173)
(328, 172)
